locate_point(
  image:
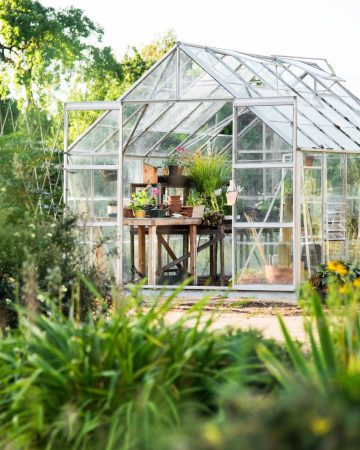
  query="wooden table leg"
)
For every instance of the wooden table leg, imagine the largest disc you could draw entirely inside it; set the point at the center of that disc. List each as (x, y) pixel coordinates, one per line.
(159, 251)
(185, 250)
(132, 252)
(222, 256)
(193, 252)
(212, 259)
(152, 256)
(141, 249)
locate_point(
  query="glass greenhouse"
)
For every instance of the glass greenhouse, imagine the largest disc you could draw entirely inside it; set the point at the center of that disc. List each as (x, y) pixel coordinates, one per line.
(291, 134)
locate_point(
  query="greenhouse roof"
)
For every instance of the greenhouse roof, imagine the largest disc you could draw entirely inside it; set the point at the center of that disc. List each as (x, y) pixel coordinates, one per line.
(328, 113)
(186, 99)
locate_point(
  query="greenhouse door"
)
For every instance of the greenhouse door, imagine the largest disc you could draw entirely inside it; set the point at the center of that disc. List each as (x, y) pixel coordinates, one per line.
(266, 238)
(92, 169)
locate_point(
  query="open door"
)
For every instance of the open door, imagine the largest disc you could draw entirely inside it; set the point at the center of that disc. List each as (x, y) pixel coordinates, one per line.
(266, 219)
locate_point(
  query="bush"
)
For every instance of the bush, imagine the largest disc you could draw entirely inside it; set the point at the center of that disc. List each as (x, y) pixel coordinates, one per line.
(115, 382)
(302, 419)
(334, 273)
(49, 247)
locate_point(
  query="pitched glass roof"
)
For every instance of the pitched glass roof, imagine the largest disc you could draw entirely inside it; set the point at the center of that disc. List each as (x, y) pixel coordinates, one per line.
(328, 114)
(182, 98)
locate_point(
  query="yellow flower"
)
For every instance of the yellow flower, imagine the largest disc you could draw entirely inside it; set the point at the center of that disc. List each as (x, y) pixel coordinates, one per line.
(212, 434)
(356, 282)
(321, 425)
(345, 289)
(336, 266)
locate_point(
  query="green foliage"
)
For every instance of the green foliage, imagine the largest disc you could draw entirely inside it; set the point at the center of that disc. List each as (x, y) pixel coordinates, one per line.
(40, 45)
(141, 199)
(175, 158)
(195, 199)
(299, 420)
(209, 174)
(113, 382)
(334, 337)
(334, 273)
(318, 405)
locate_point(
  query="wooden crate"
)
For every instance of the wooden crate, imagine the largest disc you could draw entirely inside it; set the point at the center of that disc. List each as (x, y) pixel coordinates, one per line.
(150, 174)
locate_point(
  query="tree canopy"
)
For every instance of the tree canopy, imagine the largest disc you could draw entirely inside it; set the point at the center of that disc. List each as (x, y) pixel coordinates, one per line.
(40, 46)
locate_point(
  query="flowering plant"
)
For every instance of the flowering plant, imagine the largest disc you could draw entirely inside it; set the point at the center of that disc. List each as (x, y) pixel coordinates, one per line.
(335, 272)
(176, 158)
(141, 199)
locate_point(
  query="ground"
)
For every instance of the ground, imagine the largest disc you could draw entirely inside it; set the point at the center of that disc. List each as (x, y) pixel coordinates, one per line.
(262, 317)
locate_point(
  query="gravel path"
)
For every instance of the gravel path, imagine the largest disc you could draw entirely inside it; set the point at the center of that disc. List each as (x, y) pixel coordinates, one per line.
(253, 316)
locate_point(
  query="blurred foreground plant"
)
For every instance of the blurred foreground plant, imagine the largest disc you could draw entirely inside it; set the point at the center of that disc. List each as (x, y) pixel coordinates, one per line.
(114, 382)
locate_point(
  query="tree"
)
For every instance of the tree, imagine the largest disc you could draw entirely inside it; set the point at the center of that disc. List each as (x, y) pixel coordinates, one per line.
(41, 46)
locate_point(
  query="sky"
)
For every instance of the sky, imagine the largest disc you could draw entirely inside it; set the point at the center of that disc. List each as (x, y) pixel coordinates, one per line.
(315, 28)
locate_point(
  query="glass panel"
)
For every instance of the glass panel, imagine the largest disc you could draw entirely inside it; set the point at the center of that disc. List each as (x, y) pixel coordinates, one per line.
(267, 195)
(311, 214)
(353, 209)
(335, 213)
(90, 191)
(159, 84)
(100, 247)
(264, 257)
(101, 136)
(196, 83)
(278, 118)
(79, 159)
(257, 142)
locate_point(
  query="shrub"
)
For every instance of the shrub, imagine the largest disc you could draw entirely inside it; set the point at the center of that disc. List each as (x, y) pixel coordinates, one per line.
(334, 272)
(115, 382)
(302, 419)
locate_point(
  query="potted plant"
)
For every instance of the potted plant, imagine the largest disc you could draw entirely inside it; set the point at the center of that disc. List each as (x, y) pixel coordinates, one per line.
(210, 175)
(109, 175)
(175, 162)
(263, 206)
(139, 202)
(197, 201)
(112, 208)
(308, 160)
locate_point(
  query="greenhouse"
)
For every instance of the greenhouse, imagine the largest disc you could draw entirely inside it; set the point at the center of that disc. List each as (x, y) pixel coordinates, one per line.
(233, 169)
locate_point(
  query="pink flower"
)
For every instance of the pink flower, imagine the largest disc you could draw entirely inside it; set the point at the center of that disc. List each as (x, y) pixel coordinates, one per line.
(180, 148)
(155, 191)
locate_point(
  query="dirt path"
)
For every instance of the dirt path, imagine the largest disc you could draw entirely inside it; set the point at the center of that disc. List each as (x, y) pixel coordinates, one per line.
(262, 318)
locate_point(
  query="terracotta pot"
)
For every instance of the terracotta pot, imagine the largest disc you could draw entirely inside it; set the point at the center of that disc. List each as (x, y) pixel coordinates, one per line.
(127, 212)
(175, 171)
(278, 275)
(173, 198)
(198, 211)
(231, 198)
(139, 213)
(174, 203)
(187, 211)
(309, 159)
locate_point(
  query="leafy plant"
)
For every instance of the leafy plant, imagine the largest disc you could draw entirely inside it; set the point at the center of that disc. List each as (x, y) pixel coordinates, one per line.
(209, 174)
(195, 199)
(111, 383)
(140, 200)
(334, 338)
(176, 158)
(334, 272)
